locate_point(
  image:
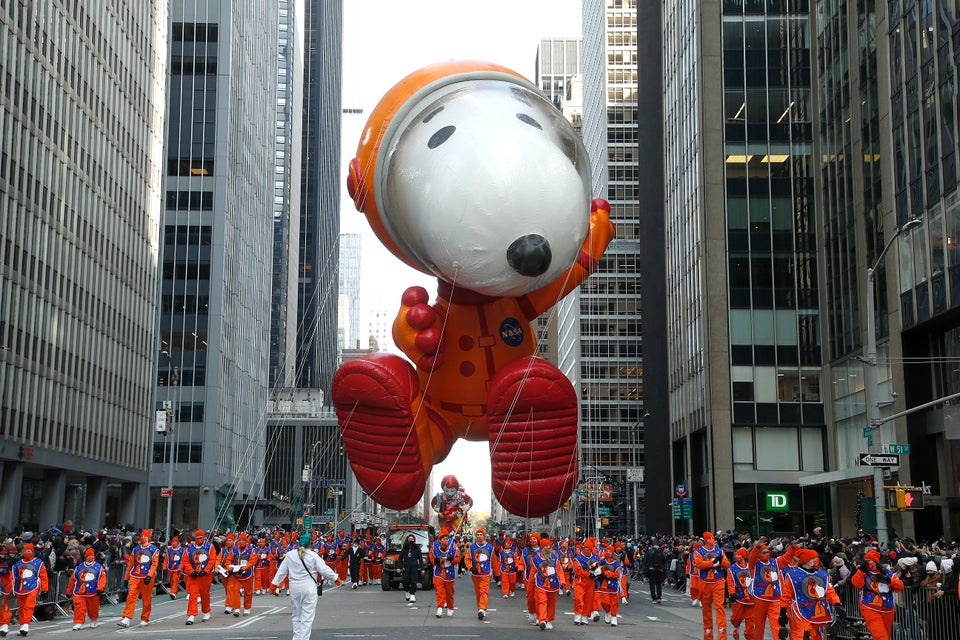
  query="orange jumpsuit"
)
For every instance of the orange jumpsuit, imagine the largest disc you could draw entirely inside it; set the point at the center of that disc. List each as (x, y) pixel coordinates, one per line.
(274, 563)
(808, 611)
(712, 581)
(584, 584)
(876, 600)
(549, 577)
(141, 570)
(479, 561)
(29, 580)
(173, 563)
(238, 561)
(737, 585)
(261, 572)
(343, 561)
(509, 565)
(608, 585)
(280, 549)
(445, 560)
(86, 584)
(692, 579)
(198, 564)
(6, 589)
(766, 589)
(529, 579)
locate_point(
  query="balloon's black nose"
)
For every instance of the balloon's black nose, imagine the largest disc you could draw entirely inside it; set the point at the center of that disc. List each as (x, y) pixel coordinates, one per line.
(530, 255)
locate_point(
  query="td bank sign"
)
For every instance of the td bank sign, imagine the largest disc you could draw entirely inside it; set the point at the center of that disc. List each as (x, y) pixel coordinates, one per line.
(777, 501)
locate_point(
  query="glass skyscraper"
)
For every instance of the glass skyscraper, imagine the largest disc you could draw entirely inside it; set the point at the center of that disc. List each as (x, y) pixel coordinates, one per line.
(743, 291)
(318, 282)
(286, 194)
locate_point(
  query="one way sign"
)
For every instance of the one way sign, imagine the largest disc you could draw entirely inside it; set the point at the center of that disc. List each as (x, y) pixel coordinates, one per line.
(879, 459)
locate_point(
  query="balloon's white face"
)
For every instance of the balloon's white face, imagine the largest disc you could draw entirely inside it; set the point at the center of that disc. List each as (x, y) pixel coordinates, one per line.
(487, 186)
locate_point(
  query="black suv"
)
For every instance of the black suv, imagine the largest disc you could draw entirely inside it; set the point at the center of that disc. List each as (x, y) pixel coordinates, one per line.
(396, 538)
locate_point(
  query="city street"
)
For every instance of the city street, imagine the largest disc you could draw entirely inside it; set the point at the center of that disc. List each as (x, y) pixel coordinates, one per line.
(369, 612)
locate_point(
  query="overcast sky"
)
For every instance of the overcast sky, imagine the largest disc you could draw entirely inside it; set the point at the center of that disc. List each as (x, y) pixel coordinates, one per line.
(383, 41)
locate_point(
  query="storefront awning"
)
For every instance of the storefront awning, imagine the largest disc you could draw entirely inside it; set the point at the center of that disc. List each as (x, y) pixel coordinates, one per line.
(831, 477)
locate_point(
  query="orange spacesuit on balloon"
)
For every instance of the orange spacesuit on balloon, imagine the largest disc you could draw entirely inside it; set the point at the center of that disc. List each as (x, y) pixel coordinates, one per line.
(467, 172)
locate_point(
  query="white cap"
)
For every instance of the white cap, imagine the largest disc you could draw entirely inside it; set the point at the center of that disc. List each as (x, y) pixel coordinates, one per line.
(931, 566)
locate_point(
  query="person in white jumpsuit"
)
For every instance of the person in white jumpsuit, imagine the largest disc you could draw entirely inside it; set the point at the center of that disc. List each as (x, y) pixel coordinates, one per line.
(303, 587)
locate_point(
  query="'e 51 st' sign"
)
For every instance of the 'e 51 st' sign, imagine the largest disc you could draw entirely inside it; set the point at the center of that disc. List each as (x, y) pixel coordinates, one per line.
(777, 501)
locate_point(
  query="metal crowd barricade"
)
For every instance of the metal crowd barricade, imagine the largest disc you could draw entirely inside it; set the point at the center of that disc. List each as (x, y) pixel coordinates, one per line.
(57, 582)
(918, 616)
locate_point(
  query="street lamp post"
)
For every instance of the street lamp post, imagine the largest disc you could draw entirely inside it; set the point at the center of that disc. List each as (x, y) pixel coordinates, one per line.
(870, 381)
(173, 381)
(633, 462)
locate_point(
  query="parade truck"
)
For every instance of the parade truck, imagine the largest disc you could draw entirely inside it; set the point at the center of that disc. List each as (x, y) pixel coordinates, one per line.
(396, 538)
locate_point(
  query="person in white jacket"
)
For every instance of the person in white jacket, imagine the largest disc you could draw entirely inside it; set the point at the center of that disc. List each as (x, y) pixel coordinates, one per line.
(304, 568)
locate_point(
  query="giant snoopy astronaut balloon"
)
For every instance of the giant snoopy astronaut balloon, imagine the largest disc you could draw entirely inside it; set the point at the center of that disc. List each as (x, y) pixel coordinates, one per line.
(466, 171)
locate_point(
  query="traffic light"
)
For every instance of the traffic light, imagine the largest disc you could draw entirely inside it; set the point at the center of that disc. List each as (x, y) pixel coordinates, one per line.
(904, 498)
(329, 493)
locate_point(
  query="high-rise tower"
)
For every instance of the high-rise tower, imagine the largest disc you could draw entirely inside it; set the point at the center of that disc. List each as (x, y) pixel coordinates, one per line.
(599, 344)
(216, 268)
(320, 198)
(81, 139)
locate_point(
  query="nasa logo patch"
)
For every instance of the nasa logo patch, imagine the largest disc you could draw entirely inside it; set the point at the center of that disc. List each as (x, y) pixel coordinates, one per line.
(511, 332)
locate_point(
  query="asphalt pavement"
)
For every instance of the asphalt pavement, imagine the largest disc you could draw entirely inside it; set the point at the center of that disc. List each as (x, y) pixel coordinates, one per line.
(370, 612)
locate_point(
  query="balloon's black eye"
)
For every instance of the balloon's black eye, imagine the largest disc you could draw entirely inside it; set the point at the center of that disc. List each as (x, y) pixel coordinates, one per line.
(522, 117)
(441, 136)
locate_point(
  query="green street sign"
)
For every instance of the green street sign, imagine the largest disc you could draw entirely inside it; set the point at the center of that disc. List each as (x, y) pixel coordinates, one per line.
(308, 522)
(676, 509)
(903, 449)
(604, 511)
(778, 501)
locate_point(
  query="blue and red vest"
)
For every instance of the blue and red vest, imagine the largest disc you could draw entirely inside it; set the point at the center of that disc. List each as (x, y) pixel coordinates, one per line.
(263, 557)
(607, 584)
(142, 560)
(86, 578)
(546, 571)
(876, 595)
(766, 581)
(481, 555)
(529, 557)
(585, 560)
(200, 556)
(26, 576)
(443, 566)
(174, 558)
(242, 558)
(331, 552)
(710, 575)
(809, 591)
(508, 559)
(740, 576)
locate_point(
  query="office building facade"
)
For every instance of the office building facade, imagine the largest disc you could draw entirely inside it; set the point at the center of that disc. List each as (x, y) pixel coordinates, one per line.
(317, 295)
(216, 264)
(286, 194)
(888, 121)
(743, 308)
(81, 137)
(349, 323)
(599, 345)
